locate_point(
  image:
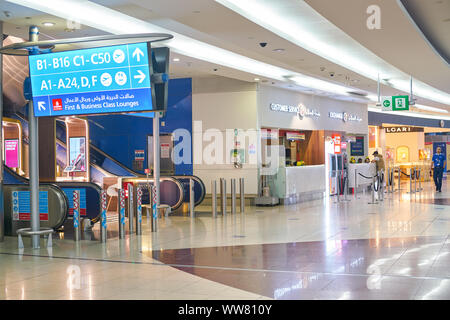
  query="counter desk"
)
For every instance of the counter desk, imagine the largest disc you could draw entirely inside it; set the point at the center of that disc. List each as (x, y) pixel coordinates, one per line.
(298, 184)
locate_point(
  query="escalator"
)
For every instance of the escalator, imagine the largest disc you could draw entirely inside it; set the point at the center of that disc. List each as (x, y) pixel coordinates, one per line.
(174, 190)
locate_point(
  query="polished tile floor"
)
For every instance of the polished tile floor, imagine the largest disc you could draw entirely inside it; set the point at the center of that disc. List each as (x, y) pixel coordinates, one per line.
(396, 249)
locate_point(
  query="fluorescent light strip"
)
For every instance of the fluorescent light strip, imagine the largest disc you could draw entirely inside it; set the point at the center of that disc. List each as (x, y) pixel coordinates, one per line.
(109, 20)
(278, 17)
(408, 114)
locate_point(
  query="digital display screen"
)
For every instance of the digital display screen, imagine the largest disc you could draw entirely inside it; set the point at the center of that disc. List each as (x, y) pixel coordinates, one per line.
(77, 153)
(92, 81)
(12, 153)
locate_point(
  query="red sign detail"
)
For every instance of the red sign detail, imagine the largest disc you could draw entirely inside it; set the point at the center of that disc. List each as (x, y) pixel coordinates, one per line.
(57, 104)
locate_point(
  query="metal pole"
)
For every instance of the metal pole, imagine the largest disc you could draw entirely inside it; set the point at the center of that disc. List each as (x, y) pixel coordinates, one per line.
(373, 189)
(411, 176)
(399, 180)
(154, 210)
(76, 215)
(420, 180)
(336, 179)
(156, 155)
(415, 179)
(233, 196)
(223, 195)
(355, 188)
(191, 198)
(130, 208)
(138, 211)
(121, 208)
(34, 159)
(103, 217)
(242, 194)
(214, 198)
(2, 210)
(381, 186)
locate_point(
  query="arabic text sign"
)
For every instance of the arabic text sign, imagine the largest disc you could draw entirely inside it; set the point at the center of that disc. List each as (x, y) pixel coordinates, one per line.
(21, 205)
(91, 81)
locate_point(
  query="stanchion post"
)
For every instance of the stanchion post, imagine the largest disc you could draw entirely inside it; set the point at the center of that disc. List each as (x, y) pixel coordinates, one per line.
(154, 210)
(139, 211)
(121, 208)
(191, 198)
(355, 188)
(214, 198)
(76, 215)
(242, 194)
(103, 218)
(223, 195)
(130, 208)
(415, 179)
(399, 180)
(233, 196)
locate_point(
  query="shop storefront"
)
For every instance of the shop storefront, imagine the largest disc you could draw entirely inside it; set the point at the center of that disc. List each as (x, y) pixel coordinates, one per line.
(286, 137)
(315, 134)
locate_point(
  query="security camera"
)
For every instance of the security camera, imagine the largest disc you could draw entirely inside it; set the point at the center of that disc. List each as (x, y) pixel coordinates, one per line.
(262, 44)
(331, 74)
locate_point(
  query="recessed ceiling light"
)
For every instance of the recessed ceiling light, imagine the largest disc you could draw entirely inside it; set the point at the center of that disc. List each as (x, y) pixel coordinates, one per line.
(256, 79)
(278, 50)
(176, 59)
(48, 24)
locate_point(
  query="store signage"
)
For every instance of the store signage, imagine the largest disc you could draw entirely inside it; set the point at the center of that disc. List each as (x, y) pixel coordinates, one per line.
(395, 103)
(344, 116)
(91, 81)
(403, 129)
(306, 112)
(284, 108)
(295, 136)
(301, 110)
(269, 134)
(337, 143)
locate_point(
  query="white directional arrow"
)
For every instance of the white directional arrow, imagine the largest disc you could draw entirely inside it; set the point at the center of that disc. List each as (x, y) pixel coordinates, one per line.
(140, 76)
(41, 105)
(137, 53)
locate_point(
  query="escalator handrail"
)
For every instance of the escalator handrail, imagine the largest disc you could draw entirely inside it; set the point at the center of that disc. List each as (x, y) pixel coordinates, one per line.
(150, 180)
(81, 185)
(202, 185)
(137, 175)
(58, 190)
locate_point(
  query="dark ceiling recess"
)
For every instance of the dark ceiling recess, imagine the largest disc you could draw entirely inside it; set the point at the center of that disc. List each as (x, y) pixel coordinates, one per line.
(434, 31)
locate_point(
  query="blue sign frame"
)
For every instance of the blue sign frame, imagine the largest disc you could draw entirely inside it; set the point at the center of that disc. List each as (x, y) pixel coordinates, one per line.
(114, 79)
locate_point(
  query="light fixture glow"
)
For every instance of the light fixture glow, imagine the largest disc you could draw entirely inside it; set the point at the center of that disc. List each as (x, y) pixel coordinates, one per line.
(48, 24)
(103, 18)
(293, 23)
(176, 59)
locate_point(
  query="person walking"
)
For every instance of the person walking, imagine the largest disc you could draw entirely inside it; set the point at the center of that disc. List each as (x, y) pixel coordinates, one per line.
(438, 166)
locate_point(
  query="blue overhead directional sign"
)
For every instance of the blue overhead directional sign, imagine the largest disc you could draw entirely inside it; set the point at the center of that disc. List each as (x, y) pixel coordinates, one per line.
(92, 81)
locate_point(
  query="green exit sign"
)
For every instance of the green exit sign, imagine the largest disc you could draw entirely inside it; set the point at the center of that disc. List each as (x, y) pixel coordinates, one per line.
(395, 103)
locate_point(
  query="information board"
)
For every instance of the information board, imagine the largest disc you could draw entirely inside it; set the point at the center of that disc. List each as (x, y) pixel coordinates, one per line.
(357, 147)
(21, 205)
(92, 81)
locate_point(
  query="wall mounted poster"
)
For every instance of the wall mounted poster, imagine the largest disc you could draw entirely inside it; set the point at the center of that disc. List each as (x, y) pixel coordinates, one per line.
(357, 147)
(77, 153)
